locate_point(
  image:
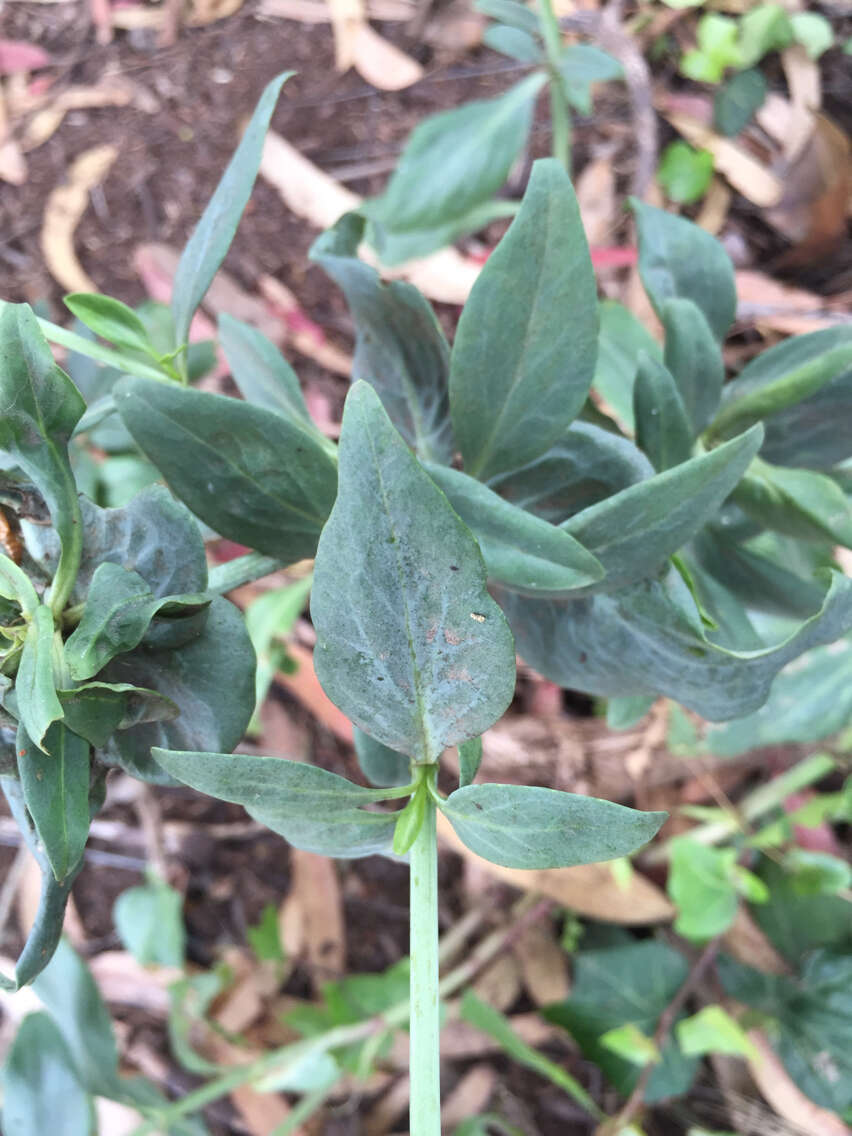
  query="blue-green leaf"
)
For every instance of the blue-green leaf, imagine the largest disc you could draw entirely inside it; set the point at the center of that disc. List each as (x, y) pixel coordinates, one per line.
(264, 376)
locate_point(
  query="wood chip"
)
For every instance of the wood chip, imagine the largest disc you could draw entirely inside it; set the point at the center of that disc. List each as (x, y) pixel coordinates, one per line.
(470, 1097)
(65, 206)
(110, 91)
(382, 63)
(589, 889)
(347, 18)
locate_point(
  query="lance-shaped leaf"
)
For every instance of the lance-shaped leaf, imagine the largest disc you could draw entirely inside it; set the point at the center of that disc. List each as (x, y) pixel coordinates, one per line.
(521, 826)
(35, 690)
(470, 759)
(511, 12)
(409, 643)
(41, 407)
(379, 764)
(635, 531)
(524, 353)
(96, 710)
(253, 476)
(694, 360)
(41, 1090)
(56, 791)
(53, 898)
(111, 319)
(211, 681)
(264, 376)
(205, 250)
(456, 160)
(399, 246)
(662, 427)
(620, 339)
(798, 502)
(521, 551)
(800, 390)
(584, 467)
(643, 640)
(16, 585)
(313, 809)
(118, 611)
(400, 348)
(677, 259)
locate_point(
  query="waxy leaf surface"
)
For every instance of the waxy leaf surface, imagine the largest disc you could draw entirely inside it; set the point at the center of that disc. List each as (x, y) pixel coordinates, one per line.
(620, 339)
(253, 476)
(41, 1091)
(264, 376)
(662, 427)
(524, 353)
(400, 348)
(56, 791)
(521, 826)
(409, 643)
(35, 690)
(694, 360)
(379, 764)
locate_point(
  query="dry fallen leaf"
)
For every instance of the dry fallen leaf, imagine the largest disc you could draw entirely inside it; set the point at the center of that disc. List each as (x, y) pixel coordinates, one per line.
(745, 173)
(748, 944)
(304, 684)
(776, 1085)
(499, 984)
(347, 17)
(803, 83)
(589, 889)
(773, 306)
(714, 207)
(314, 904)
(595, 189)
(544, 964)
(65, 206)
(389, 1108)
(110, 91)
(125, 982)
(470, 1097)
(203, 12)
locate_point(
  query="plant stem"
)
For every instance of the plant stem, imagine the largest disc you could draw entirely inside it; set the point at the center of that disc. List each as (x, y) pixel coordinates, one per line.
(425, 1003)
(93, 350)
(560, 119)
(241, 570)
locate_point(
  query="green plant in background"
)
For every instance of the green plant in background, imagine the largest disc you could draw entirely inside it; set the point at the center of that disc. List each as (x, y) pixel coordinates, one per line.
(644, 550)
(455, 162)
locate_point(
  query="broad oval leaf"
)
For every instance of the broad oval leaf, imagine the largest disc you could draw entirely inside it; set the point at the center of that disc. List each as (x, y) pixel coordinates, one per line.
(662, 428)
(264, 376)
(41, 1090)
(456, 160)
(253, 476)
(409, 643)
(309, 807)
(379, 764)
(56, 791)
(400, 348)
(583, 468)
(205, 250)
(694, 360)
(635, 531)
(96, 710)
(521, 551)
(522, 826)
(211, 681)
(677, 259)
(524, 353)
(642, 640)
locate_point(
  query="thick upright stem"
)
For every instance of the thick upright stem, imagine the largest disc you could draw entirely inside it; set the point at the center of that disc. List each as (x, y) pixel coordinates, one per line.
(425, 1004)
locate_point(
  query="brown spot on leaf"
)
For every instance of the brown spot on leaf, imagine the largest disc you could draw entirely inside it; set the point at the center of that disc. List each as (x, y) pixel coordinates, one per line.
(451, 637)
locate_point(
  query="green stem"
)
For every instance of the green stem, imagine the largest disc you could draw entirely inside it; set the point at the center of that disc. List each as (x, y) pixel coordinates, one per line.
(560, 118)
(425, 1002)
(241, 570)
(73, 342)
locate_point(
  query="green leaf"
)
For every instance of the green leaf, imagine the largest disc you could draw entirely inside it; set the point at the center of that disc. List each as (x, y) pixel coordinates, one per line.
(380, 764)
(662, 428)
(799, 389)
(264, 376)
(797, 502)
(456, 160)
(797, 923)
(56, 791)
(811, 1029)
(205, 250)
(679, 260)
(634, 531)
(399, 246)
(264, 937)
(684, 172)
(644, 640)
(117, 614)
(622, 713)
(470, 758)
(701, 887)
(41, 1092)
(110, 319)
(409, 643)
(514, 42)
(817, 873)
(517, 378)
(763, 29)
(490, 1021)
(713, 1030)
(16, 585)
(409, 821)
(41, 408)
(622, 336)
(400, 348)
(253, 476)
(584, 467)
(521, 551)
(718, 49)
(312, 809)
(149, 922)
(511, 12)
(627, 984)
(96, 709)
(38, 705)
(521, 826)
(69, 993)
(736, 101)
(629, 1042)
(581, 65)
(813, 31)
(694, 359)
